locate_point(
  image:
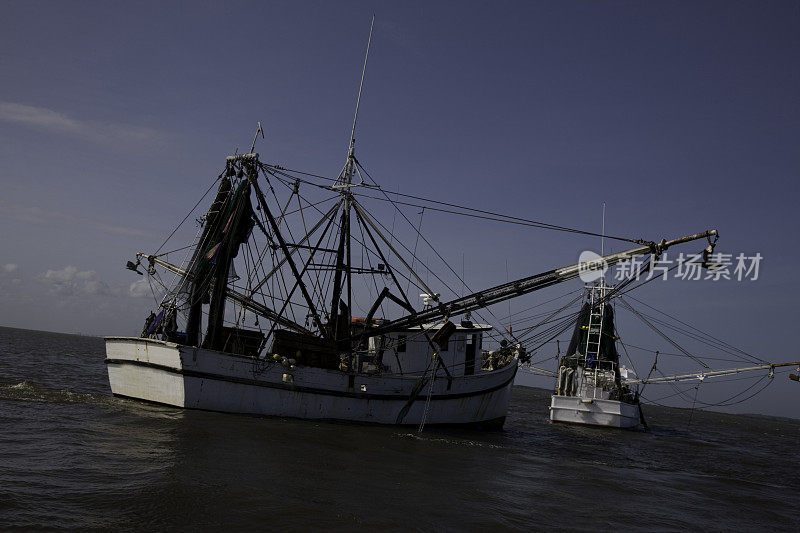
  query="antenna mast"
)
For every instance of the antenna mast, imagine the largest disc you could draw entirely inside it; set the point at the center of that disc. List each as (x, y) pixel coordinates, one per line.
(351, 148)
(602, 241)
(259, 130)
(343, 256)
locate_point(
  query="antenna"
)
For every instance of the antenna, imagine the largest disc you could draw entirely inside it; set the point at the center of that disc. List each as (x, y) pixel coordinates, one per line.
(360, 88)
(602, 240)
(259, 130)
(343, 256)
(603, 231)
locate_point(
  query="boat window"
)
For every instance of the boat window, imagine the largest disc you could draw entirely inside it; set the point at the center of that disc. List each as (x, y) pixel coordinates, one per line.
(401, 343)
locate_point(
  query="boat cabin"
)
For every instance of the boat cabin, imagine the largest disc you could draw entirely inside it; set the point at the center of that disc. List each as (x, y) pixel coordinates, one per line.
(408, 351)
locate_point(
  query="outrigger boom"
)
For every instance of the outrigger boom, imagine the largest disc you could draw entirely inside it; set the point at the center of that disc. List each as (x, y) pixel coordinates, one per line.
(700, 376)
(533, 283)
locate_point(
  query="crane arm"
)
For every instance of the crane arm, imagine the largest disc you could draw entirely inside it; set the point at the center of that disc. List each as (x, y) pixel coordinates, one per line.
(529, 284)
(232, 295)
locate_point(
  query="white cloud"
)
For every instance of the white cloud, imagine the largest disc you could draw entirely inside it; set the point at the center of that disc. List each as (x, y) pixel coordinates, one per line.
(37, 215)
(86, 275)
(9, 278)
(61, 276)
(97, 287)
(69, 281)
(95, 131)
(140, 289)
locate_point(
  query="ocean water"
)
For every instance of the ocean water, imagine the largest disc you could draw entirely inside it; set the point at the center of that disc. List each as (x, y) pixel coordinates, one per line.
(74, 457)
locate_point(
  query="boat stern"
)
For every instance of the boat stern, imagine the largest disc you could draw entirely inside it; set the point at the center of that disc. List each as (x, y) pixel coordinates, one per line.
(593, 412)
(145, 369)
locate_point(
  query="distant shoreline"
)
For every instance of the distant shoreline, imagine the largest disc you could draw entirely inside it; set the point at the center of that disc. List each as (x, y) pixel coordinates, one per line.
(74, 334)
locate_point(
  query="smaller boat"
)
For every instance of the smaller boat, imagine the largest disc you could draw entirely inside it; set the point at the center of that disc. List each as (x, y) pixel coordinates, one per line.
(591, 386)
(594, 389)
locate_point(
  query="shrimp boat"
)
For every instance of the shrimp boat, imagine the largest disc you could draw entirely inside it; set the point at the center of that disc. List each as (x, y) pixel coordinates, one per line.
(591, 387)
(196, 351)
(594, 389)
(258, 317)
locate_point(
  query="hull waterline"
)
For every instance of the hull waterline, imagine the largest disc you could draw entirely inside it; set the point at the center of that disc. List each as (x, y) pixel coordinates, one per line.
(196, 378)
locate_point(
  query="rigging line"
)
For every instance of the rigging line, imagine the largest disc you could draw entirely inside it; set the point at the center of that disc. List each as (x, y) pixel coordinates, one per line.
(497, 218)
(279, 168)
(560, 324)
(371, 222)
(244, 254)
(176, 250)
(539, 305)
(667, 397)
(282, 261)
(275, 227)
(315, 288)
(511, 219)
(728, 402)
(530, 329)
(416, 242)
(394, 218)
(641, 270)
(319, 211)
(360, 214)
(360, 217)
(312, 204)
(562, 330)
(155, 300)
(528, 319)
(677, 389)
(704, 357)
(702, 340)
(697, 338)
(299, 281)
(542, 225)
(724, 403)
(328, 275)
(185, 263)
(625, 349)
(302, 216)
(722, 342)
(529, 332)
(316, 283)
(285, 177)
(280, 221)
(369, 263)
(189, 213)
(660, 333)
(552, 315)
(259, 262)
(531, 318)
(609, 295)
(435, 251)
(428, 399)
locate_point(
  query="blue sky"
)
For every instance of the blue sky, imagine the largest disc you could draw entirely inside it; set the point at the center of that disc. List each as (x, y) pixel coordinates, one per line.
(680, 116)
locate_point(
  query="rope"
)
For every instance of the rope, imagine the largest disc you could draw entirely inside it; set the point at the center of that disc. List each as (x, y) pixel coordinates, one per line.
(428, 399)
(188, 214)
(491, 215)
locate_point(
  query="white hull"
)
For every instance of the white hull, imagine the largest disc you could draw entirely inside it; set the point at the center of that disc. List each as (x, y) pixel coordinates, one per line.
(197, 378)
(593, 412)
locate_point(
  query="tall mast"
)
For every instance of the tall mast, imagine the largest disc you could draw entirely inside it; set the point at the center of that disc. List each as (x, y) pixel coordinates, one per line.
(345, 182)
(602, 245)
